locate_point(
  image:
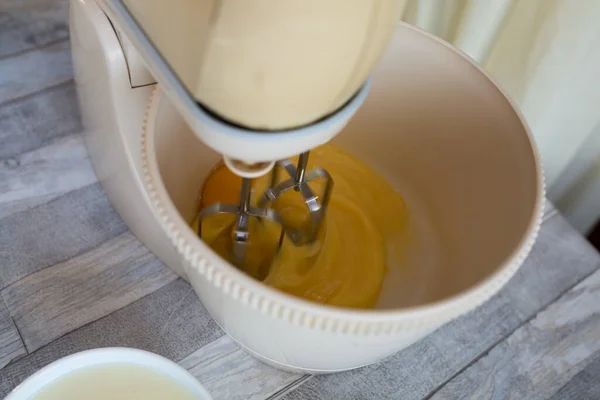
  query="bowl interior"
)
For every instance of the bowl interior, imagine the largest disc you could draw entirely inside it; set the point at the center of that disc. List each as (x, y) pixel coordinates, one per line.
(445, 137)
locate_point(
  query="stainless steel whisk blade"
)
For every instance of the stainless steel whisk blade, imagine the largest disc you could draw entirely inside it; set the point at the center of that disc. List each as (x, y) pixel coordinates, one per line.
(240, 229)
(298, 181)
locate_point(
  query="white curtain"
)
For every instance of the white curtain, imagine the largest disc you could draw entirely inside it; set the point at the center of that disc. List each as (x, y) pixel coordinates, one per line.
(546, 55)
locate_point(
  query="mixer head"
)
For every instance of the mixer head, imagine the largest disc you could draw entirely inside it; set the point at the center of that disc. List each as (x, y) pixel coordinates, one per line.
(259, 80)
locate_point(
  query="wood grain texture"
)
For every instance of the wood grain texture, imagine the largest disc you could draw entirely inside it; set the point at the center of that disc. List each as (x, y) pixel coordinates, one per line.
(289, 388)
(56, 231)
(228, 372)
(23, 74)
(171, 322)
(559, 260)
(27, 24)
(539, 357)
(38, 120)
(11, 346)
(549, 210)
(44, 174)
(47, 304)
(583, 386)
(12, 5)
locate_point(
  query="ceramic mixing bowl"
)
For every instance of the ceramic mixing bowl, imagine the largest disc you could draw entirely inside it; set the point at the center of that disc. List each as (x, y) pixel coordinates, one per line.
(439, 129)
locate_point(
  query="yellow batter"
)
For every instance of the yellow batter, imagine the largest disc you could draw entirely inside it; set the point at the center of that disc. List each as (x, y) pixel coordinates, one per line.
(347, 263)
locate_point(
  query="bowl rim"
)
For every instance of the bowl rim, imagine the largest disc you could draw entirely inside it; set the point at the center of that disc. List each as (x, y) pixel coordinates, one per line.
(64, 366)
(299, 311)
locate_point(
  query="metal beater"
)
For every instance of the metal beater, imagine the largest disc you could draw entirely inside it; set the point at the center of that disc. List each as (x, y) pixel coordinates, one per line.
(298, 181)
(244, 211)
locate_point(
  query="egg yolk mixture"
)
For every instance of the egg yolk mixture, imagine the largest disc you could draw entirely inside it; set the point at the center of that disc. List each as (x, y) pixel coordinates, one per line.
(358, 240)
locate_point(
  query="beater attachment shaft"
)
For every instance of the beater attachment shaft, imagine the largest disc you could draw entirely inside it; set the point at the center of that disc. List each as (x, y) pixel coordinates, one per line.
(239, 230)
(298, 181)
(239, 241)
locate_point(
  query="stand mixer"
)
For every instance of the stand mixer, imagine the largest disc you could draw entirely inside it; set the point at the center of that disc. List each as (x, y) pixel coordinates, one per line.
(258, 82)
(168, 90)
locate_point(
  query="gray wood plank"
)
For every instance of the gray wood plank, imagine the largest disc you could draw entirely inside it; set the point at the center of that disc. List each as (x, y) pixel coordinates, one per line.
(56, 231)
(39, 176)
(560, 259)
(11, 346)
(35, 70)
(228, 372)
(539, 357)
(584, 386)
(36, 121)
(47, 304)
(28, 24)
(288, 388)
(171, 322)
(407, 375)
(549, 210)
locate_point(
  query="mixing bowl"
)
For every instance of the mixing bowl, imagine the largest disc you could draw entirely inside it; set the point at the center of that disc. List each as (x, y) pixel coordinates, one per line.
(439, 129)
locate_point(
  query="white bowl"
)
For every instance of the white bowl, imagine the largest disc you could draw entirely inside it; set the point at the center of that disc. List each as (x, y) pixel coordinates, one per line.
(110, 355)
(452, 143)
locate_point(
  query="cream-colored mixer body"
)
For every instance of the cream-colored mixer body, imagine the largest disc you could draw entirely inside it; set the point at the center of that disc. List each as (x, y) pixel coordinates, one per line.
(434, 124)
(114, 93)
(267, 64)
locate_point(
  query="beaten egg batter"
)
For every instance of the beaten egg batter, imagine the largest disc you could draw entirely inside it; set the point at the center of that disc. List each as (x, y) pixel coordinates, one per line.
(360, 236)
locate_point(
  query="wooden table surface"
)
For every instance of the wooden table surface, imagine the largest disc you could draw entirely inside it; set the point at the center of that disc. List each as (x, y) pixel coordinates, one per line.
(72, 277)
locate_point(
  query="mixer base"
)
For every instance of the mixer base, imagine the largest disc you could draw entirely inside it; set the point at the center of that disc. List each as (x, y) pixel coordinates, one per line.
(287, 367)
(296, 370)
(113, 113)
